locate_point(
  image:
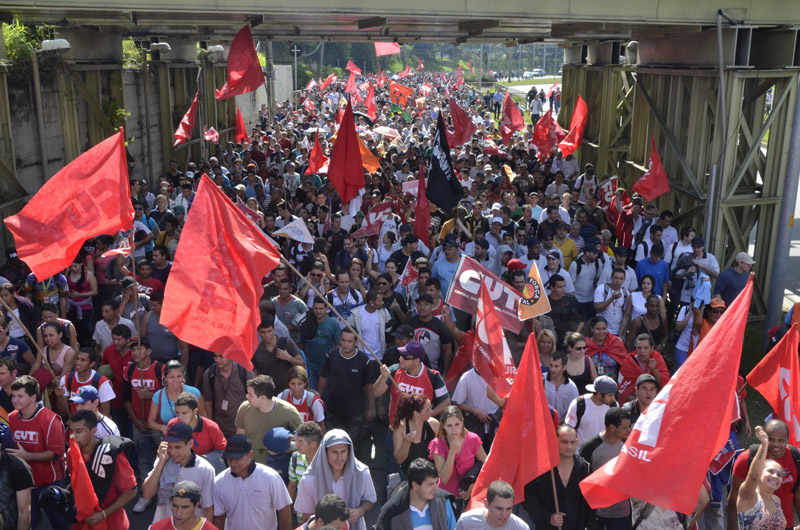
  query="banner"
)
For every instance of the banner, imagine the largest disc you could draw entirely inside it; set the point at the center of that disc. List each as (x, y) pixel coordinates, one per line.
(606, 192)
(464, 293)
(534, 301)
(410, 186)
(374, 219)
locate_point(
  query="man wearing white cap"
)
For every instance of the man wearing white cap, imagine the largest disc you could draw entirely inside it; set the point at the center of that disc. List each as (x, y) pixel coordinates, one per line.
(494, 237)
(733, 279)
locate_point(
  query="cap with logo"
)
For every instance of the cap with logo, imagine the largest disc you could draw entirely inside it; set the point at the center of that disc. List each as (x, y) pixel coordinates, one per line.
(186, 489)
(238, 446)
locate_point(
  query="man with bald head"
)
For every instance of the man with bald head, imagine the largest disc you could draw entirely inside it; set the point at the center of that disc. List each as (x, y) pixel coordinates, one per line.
(787, 456)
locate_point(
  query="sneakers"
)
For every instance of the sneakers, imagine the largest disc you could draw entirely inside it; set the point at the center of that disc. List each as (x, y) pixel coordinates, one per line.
(141, 505)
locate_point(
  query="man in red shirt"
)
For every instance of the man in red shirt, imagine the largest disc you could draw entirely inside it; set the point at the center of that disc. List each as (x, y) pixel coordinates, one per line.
(643, 360)
(144, 279)
(39, 435)
(118, 356)
(784, 454)
(185, 500)
(111, 474)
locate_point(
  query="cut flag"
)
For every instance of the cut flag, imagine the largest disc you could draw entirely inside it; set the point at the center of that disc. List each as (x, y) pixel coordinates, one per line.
(371, 110)
(244, 70)
(444, 189)
(547, 134)
(491, 355)
(345, 171)
(525, 445)
(328, 80)
(241, 130)
(655, 181)
(410, 274)
(210, 135)
(317, 159)
(664, 441)
(463, 127)
(574, 137)
(777, 378)
(399, 93)
(534, 300)
(374, 219)
(352, 67)
(386, 48)
(88, 197)
(211, 300)
(512, 119)
(184, 130)
(86, 501)
(311, 83)
(124, 247)
(422, 212)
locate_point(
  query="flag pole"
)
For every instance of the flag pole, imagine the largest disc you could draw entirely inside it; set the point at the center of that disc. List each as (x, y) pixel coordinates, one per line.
(349, 327)
(28, 333)
(555, 494)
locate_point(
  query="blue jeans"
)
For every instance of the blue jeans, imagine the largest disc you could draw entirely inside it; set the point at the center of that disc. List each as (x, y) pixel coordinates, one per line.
(146, 444)
(57, 521)
(313, 378)
(680, 356)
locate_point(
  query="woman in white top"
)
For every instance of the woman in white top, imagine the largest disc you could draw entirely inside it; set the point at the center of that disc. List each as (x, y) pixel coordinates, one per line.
(639, 298)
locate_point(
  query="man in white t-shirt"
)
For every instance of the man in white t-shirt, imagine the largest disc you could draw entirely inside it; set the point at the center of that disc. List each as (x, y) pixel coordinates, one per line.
(589, 417)
(497, 514)
(611, 301)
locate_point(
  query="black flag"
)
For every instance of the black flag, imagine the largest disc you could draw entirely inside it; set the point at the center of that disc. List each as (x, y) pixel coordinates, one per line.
(444, 189)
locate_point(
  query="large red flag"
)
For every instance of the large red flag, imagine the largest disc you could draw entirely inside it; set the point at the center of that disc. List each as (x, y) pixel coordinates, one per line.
(576, 125)
(422, 213)
(463, 127)
(241, 130)
(664, 461)
(655, 181)
(777, 378)
(328, 80)
(525, 445)
(371, 110)
(88, 197)
(547, 134)
(353, 67)
(351, 83)
(184, 130)
(244, 70)
(211, 300)
(317, 159)
(512, 119)
(386, 48)
(345, 169)
(86, 502)
(489, 356)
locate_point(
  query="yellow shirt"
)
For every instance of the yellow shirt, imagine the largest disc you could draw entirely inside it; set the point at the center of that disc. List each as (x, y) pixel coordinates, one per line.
(568, 250)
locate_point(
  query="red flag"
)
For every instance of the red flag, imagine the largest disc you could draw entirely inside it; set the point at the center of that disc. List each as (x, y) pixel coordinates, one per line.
(345, 169)
(210, 135)
(776, 377)
(311, 84)
(422, 212)
(375, 217)
(490, 345)
(309, 105)
(420, 66)
(664, 441)
(410, 274)
(463, 127)
(184, 130)
(88, 197)
(405, 72)
(317, 159)
(459, 82)
(462, 360)
(251, 214)
(211, 300)
(124, 247)
(371, 110)
(512, 119)
(473, 69)
(328, 80)
(86, 502)
(576, 125)
(351, 83)
(386, 48)
(525, 445)
(655, 181)
(469, 63)
(547, 134)
(553, 89)
(241, 130)
(244, 70)
(353, 67)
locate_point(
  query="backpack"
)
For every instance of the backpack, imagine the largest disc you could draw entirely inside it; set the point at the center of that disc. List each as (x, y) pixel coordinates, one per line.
(212, 374)
(795, 452)
(597, 262)
(580, 410)
(95, 382)
(311, 398)
(607, 290)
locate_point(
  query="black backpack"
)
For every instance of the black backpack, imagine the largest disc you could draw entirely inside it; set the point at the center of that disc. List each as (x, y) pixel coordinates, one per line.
(212, 374)
(580, 410)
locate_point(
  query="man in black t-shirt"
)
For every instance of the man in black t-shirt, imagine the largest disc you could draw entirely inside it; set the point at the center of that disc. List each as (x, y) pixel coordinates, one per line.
(347, 374)
(432, 334)
(564, 309)
(410, 250)
(16, 482)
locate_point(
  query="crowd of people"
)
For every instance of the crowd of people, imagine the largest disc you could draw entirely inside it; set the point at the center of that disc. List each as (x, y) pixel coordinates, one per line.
(347, 345)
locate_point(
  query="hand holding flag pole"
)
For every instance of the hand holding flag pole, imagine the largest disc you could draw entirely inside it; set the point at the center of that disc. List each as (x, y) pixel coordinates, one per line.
(28, 333)
(349, 327)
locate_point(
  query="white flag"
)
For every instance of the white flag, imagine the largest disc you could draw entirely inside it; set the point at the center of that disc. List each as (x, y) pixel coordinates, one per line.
(296, 230)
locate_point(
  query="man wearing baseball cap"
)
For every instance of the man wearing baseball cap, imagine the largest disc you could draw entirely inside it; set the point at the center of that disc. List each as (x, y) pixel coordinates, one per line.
(646, 390)
(88, 398)
(185, 500)
(587, 413)
(732, 280)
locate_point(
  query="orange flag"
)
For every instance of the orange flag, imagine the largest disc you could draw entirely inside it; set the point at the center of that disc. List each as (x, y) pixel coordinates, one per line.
(184, 131)
(241, 130)
(88, 197)
(369, 161)
(534, 300)
(526, 444)
(86, 502)
(244, 69)
(212, 297)
(777, 378)
(399, 93)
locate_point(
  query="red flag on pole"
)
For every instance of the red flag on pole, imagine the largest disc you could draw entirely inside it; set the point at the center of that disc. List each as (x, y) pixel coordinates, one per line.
(655, 181)
(576, 125)
(345, 168)
(241, 130)
(311, 83)
(210, 135)
(547, 134)
(410, 274)
(553, 89)
(328, 80)
(184, 130)
(777, 378)
(88, 197)
(469, 63)
(420, 66)
(351, 83)
(244, 69)
(664, 441)
(372, 112)
(386, 48)
(405, 72)
(422, 213)
(512, 119)
(353, 67)
(463, 127)
(525, 445)
(211, 300)
(489, 355)
(317, 159)
(86, 502)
